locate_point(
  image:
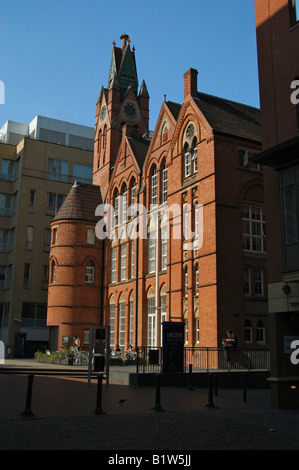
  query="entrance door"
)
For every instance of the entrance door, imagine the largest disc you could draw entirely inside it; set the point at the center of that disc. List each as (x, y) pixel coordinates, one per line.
(19, 349)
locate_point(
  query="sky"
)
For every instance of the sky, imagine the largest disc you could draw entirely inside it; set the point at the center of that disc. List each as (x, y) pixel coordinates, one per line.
(55, 55)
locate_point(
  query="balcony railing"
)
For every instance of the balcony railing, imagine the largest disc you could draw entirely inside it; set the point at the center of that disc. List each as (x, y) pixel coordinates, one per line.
(207, 359)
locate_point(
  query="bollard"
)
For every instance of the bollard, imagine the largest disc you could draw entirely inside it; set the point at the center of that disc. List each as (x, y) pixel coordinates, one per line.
(98, 409)
(244, 388)
(157, 406)
(27, 411)
(190, 378)
(210, 403)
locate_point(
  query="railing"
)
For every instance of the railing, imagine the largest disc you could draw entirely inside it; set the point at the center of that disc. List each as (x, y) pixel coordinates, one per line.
(207, 359)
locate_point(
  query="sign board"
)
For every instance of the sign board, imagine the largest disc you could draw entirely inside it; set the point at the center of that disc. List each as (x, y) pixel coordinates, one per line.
(100, 333)
(173, 346)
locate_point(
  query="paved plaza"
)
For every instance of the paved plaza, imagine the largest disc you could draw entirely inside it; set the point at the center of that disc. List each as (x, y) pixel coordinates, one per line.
(69, 414)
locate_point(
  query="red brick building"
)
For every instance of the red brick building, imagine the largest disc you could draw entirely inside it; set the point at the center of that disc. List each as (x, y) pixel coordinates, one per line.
(193, 171)
(277, 28)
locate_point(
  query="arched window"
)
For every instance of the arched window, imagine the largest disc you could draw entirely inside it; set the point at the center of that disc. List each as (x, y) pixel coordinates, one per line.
(260, 332)
(151, 319)
(89, 272)
(164, 182)
(133, 192)
(124, 204)
(112, 320)
(52, 271)
(121, 321)
(154, 187)
(116, 207)
(99, 147)
(248, 331)
(190, 149)
(187, 161)
(131, 319)
(104, 143)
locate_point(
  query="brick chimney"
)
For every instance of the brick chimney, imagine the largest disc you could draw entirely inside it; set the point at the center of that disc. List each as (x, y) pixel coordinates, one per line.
(190, 83)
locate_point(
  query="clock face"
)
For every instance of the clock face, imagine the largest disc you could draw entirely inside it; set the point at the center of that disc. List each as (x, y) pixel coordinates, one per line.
(130, 110)
(190, 131)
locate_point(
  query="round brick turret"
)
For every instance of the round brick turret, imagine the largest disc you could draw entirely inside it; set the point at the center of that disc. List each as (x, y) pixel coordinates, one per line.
(75, 271)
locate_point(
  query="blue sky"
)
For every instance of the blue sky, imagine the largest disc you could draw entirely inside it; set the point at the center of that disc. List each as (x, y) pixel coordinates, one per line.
(55, 55)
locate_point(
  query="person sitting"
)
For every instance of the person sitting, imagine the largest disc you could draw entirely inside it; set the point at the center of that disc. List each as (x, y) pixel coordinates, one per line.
(229, 343)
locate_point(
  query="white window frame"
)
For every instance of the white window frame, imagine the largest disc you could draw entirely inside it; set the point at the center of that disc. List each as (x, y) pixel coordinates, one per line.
(113, 265)
(124, 206)
(131, 315)
(112, 324)
(151, 323)
(151, 252)
(187, 164)
(123, 262)
(89, 273)
(164, 185)
(253, 228)
(154, 187)
(194, 160)
(121, 324)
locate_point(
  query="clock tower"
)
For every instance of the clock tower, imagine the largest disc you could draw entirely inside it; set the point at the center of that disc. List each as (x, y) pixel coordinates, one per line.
(117, 105)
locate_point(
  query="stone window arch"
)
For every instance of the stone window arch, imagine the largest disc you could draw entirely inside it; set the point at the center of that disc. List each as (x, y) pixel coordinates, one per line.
(189, 145)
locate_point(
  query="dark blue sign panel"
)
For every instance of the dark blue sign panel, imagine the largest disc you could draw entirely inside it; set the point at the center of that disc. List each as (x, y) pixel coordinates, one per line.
(173, 346)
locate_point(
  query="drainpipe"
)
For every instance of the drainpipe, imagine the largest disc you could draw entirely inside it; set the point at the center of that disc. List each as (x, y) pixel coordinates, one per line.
(137, 273)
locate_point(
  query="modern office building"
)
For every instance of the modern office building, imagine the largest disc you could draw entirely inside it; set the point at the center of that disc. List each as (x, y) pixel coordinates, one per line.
(195, 252)
(39, 162)
(277, 29)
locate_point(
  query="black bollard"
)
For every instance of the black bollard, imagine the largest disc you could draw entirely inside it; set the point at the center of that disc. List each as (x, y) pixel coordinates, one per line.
(157, 406)
(27, 411)
(244, 388)
(190, 378)
(210, 403)
(98, 409)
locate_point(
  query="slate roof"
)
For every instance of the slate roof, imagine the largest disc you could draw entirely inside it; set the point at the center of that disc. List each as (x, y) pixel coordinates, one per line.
(80, 203)
(229, 117)
(174, 108)
(140, 147)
